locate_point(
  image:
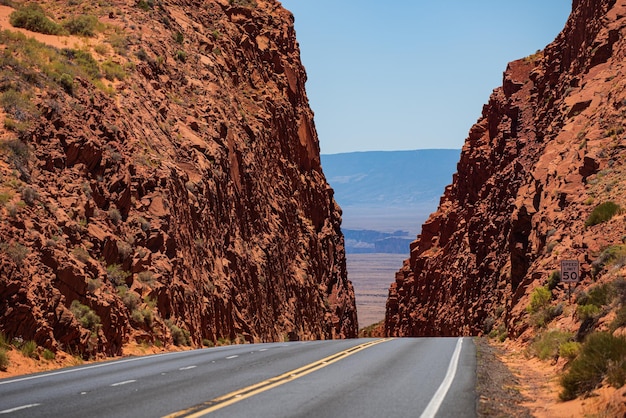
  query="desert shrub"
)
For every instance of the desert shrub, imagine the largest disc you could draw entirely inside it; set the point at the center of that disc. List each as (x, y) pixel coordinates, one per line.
(180, 56)
(117, 275)
(500, 333)
(119, 42)
(19, 107)
(29, 195)
(124, 249)
(602, 213)
(16, 251)
(207, 343)
(145, 277)
(539, 299)
(602, 355)
(613, 255)
(129, 298)
(179, 37)
(48, 355)
(66, 81)
(4, 359)
(599, 296)
(619, 287)
(81, 254)
(84, 60)
(29, 349)
(16, 148)
(569, 350)
(145, 5)
(4, 341)
(115, 216)
(32, 17)
(113, 71)
(554, 280)
(144, 224)
(179, 336)
(85, 315)
(547, 345)
(539, 308)
(586, 312)
(620, 318)
(94, 284)
(83, 25)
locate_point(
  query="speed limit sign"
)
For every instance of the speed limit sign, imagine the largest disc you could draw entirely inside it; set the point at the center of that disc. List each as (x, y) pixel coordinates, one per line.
(570, 271)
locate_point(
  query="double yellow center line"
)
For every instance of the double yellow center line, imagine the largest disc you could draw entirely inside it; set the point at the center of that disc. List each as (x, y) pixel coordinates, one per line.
(247, 392)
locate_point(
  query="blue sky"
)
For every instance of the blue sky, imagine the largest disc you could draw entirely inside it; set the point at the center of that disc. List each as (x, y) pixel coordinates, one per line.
(412, 74)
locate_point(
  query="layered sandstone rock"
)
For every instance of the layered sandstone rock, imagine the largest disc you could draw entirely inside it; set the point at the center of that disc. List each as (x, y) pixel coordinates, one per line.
(184, 200)
(549, 147)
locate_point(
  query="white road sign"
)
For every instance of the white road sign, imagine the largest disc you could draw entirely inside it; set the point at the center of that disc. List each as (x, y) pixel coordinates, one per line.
(570, 271)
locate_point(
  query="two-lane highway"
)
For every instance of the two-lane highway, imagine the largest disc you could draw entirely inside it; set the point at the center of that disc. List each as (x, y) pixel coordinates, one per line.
(344, 378)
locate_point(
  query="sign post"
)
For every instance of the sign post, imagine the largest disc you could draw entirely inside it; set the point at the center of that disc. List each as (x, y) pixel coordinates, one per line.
(570, 273)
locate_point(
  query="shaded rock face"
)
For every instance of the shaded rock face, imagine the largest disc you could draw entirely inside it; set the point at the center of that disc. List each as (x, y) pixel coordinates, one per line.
(185, 203)
(548, 148)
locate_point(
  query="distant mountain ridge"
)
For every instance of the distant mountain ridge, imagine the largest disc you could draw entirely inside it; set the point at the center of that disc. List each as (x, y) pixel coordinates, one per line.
(387, 195)
(390, 178)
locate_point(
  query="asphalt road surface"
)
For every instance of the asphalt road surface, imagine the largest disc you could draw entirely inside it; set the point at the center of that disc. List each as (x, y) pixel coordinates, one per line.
(404, 377)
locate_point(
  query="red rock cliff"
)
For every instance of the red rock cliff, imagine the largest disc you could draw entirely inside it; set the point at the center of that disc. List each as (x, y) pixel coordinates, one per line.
(166, 176)
(548, 148)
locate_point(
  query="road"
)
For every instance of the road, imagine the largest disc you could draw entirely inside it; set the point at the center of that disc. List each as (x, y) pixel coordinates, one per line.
(408, 377)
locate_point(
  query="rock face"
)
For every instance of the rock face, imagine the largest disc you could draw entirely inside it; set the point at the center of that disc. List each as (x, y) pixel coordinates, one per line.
(548, 149)
(175, 191)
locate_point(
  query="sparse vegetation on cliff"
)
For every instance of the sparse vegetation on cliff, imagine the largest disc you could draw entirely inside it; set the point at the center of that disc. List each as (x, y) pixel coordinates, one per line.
(603, 213)
(32, 17)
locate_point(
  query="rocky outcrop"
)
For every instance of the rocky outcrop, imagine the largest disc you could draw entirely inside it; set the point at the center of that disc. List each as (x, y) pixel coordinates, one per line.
(168, 180)
(548, 148)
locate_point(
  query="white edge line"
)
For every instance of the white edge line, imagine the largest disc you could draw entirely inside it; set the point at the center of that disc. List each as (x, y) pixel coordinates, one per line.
(435, 402)
(95, 366)
(231, 357)
(188, 368)
(19, 408)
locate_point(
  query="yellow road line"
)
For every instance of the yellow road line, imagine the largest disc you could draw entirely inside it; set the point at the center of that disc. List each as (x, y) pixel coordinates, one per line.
(247, 392)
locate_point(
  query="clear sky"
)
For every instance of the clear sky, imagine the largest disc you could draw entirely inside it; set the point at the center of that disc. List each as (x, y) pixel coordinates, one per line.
(412, 74)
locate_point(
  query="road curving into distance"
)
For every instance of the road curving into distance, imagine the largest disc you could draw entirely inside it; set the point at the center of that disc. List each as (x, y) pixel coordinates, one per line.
(399, 377)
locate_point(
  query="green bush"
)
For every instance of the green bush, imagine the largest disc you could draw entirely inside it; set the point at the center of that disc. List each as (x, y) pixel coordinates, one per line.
(603, 213)
(129, 298)
(539, 299)
(4, 359)
(554, 279)
(85, 315)
(613, 255)
(84, 60)
(29, 349)
(569, 350)
(620, 319)
(585, 312)
(4, 341)
(66, 81)
(117, 275)
(602, 355)
(113, 71)
(115, 216)
(48, 355)
(16, 251)
(547, 345)
(179, 336)
(32, 17)
(83, 25)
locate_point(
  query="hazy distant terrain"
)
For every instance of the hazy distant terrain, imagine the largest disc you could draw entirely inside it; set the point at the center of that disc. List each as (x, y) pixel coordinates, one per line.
(387, 195)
